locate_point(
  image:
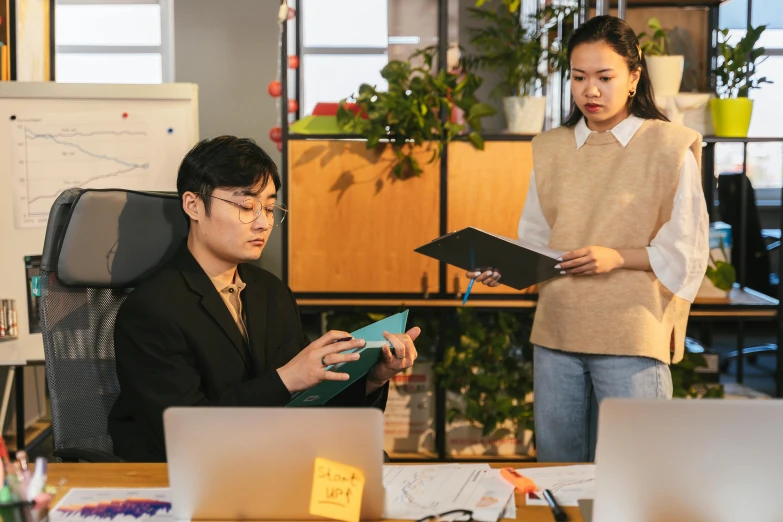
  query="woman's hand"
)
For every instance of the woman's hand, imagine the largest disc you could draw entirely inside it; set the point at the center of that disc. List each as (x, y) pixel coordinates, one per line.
(489, 277)
(592, 260)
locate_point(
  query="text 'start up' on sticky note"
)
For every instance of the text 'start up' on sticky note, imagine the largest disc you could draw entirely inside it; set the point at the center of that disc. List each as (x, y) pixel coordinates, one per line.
(337, 491)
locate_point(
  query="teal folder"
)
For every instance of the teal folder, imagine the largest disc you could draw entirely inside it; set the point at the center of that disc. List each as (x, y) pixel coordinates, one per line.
(323, 392)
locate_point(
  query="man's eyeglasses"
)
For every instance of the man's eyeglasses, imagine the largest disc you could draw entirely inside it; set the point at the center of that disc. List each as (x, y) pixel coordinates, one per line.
(250, 209)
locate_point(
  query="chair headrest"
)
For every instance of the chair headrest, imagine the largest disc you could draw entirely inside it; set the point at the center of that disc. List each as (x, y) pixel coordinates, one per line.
(111, 238)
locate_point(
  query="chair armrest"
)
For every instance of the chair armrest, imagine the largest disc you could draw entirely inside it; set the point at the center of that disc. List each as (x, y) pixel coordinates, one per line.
(84, 455)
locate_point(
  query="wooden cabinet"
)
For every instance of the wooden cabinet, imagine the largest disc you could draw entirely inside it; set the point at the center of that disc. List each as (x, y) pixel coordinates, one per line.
(353, 226)
(486, 190)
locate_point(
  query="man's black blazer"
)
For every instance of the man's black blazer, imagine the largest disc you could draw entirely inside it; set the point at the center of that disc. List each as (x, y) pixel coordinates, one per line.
(177, 344)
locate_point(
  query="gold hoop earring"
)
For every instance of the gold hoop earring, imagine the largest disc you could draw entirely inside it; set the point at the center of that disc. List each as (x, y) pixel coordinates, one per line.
(632, 93)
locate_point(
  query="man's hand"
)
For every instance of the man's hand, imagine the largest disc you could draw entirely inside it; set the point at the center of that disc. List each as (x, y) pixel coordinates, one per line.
(392, 364)
(590, 260)
(308, 367)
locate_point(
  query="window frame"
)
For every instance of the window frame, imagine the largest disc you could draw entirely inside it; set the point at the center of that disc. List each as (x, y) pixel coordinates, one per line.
(767, 197)
(315, 50)
(165, 49)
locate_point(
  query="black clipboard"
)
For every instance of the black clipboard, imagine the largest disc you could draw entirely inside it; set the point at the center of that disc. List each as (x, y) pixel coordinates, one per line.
(521, 264)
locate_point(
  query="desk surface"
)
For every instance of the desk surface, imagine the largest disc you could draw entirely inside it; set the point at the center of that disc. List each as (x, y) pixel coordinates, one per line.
(155, 476)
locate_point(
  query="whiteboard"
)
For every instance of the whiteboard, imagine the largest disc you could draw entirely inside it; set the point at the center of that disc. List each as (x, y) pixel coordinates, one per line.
(57, 136)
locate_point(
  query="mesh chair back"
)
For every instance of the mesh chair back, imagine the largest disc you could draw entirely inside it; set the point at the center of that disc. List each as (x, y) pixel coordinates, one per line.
(757, 268)
(99, 244)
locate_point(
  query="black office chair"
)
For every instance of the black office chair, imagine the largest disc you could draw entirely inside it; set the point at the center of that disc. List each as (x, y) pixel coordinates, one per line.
(757, 270)
(99, 244)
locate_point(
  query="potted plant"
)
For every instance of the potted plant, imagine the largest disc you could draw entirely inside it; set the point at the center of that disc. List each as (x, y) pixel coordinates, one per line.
(408, 114)
(735, 75)
(488, 372)
(665, 69)
(506, 44)
(687, 382)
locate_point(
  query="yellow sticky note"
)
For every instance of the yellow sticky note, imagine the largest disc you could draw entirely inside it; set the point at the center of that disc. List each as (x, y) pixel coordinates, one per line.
(337, 491)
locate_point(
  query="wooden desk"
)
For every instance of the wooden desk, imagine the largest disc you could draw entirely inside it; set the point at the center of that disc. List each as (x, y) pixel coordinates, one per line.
(156, 476)
(740, 303)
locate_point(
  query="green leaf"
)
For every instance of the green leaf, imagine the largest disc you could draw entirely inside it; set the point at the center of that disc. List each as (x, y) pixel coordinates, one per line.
(476, 139)
(723, 275)
(736, 70)
(489, 427)
(481, 110)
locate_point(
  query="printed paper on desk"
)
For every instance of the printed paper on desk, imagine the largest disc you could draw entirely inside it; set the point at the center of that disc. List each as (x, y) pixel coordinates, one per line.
(337, 491)
(567, 483)
(115, 505)
(414, 492)
(494, 503)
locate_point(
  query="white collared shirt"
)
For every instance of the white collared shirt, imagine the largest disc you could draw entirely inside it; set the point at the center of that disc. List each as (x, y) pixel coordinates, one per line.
(680, 251)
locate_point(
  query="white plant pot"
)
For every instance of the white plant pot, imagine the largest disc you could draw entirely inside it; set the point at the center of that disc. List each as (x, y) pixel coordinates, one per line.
(525, 114)
(666, 74)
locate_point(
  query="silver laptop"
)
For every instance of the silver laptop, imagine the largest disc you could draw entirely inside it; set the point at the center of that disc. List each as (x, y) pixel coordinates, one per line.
(689, 460)
(258, 463)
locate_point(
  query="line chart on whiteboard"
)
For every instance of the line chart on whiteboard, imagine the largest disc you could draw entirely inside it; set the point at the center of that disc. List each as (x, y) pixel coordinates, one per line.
(49, 158)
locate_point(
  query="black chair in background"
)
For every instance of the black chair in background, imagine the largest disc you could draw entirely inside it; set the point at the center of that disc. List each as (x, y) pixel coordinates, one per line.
(756, 274)
(99, 244)
(757, 269)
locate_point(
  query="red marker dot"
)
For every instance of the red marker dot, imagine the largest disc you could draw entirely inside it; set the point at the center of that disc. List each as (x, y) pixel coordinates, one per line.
(124, 114)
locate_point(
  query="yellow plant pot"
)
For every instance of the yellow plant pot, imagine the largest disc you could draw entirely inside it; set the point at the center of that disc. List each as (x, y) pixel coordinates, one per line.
(731, 117)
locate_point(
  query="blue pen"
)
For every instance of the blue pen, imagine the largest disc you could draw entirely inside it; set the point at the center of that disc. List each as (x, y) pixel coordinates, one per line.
(470, 285)
(467, 292)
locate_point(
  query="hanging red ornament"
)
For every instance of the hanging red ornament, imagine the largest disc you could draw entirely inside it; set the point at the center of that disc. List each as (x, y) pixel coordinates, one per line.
(275, 89)
(280, 146)
(293, 61)
(293, 106)
(276, 134)
(291, 13)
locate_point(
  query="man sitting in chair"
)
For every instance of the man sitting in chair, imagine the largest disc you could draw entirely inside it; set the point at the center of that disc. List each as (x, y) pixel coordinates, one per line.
(210, 329)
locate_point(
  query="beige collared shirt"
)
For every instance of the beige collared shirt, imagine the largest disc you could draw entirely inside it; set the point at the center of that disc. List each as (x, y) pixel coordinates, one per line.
(230, 294)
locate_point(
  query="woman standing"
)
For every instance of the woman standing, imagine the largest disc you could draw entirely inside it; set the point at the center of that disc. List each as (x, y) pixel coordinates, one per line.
(618, 188)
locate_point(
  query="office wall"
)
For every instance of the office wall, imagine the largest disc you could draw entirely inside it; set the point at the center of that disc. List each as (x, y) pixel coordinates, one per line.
(497, 122)
(229, 49)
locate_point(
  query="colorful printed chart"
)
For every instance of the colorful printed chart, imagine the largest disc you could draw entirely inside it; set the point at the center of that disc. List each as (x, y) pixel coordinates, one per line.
(118, 505)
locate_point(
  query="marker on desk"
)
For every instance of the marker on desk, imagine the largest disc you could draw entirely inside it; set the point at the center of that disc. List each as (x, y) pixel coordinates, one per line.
(21, 458)
(5, 495)
(21, 482)
(557, 511)
(38, 481)
(520, 482)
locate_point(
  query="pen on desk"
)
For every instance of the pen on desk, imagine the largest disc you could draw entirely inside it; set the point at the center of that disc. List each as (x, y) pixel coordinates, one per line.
(21, 458)
(38, 480)
(557, 511)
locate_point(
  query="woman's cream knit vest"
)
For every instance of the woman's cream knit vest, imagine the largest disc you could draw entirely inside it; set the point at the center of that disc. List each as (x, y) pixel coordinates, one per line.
(604, 194)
